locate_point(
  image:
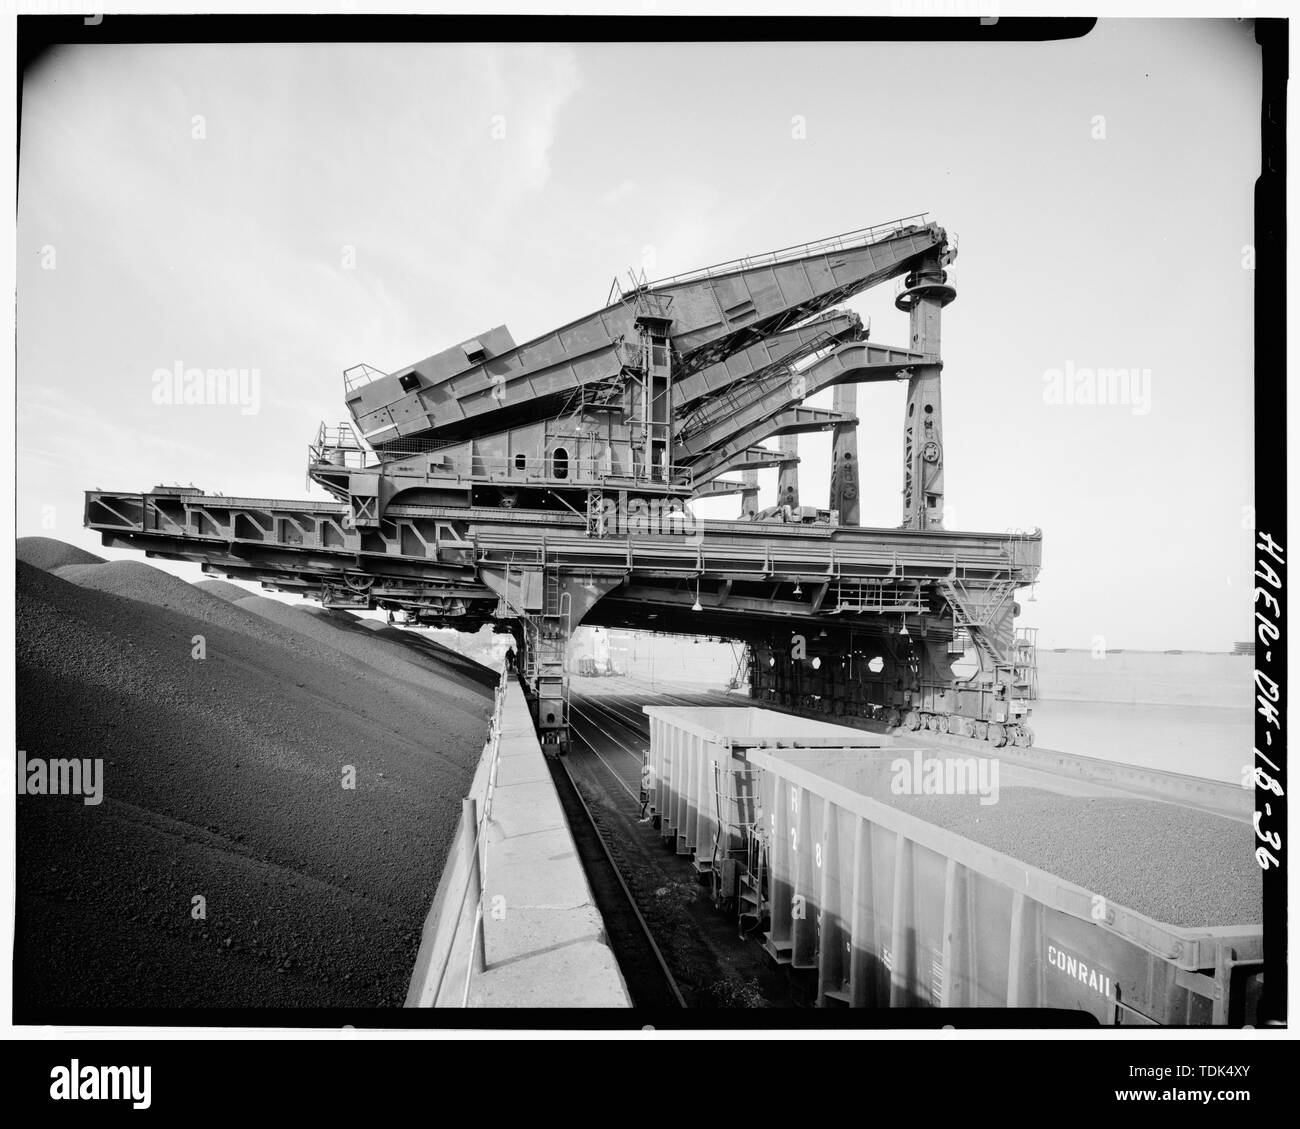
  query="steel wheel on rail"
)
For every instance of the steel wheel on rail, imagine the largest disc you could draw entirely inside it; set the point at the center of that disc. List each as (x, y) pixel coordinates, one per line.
(912, 720)
(997, 735)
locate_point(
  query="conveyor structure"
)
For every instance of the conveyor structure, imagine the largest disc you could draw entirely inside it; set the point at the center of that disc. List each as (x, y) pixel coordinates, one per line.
(542, 485)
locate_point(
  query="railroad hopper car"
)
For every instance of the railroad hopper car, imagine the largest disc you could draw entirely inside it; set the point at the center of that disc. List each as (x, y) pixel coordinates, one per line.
(877, 897)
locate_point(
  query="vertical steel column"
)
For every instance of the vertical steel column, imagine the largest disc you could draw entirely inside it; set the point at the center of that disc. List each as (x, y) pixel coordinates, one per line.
(656, 351)
(749, 496)
(787, 475)
(844, 458)
(926, 293)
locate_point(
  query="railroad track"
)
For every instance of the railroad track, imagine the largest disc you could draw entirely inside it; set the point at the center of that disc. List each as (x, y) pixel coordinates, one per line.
(627, 706)
(650, 984)
(610, 739)
(616, 724)
(610, 736)
(592, 727)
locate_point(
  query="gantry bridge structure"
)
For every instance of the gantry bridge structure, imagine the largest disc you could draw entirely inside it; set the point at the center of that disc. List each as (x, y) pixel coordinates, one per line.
(548, 484)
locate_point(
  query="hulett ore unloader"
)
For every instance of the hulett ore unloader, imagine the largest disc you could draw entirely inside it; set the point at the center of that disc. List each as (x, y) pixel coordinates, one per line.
(547, 484)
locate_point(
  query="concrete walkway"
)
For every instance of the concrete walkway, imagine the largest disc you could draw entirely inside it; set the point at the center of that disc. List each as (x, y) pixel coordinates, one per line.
(544, 939)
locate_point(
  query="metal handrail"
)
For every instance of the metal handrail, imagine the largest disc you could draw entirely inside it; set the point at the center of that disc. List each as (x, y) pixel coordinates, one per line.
(901, 284)
(848, 240)
(340, 436)
(400, 448)
(341, 441)
(360, 375)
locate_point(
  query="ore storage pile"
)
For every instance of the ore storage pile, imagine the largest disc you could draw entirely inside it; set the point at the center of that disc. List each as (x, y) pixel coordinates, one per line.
(228, 864)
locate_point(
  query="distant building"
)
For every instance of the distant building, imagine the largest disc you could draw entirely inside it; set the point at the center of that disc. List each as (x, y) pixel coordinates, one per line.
(1246, 648)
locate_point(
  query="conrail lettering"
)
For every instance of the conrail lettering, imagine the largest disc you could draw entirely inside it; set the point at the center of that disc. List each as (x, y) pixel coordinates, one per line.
(1075, 969)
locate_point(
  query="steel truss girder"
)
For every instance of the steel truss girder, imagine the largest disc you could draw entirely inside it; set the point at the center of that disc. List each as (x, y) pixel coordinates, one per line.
(411, 573)
(466, 536)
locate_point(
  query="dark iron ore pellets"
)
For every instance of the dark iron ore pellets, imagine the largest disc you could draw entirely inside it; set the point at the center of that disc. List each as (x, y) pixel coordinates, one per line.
(1176, 865)
(223, 778)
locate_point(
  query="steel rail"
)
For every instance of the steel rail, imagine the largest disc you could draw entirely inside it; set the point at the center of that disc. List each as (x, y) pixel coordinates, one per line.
(562, 769)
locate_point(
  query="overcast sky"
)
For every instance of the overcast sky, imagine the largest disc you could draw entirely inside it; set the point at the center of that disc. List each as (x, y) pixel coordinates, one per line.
(296, 210)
